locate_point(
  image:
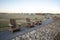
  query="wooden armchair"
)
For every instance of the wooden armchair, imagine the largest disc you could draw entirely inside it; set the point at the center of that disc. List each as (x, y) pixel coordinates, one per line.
(29, 24)
(12, 25)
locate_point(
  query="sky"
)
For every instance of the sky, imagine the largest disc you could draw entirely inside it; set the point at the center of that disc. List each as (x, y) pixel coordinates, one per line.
(30, 6)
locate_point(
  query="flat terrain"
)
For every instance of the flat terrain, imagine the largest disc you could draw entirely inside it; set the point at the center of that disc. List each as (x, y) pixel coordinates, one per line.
(10, 35)
(4, 19)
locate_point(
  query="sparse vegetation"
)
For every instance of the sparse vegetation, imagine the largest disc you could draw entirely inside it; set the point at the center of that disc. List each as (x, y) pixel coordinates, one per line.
(20, 18)
(4, 19)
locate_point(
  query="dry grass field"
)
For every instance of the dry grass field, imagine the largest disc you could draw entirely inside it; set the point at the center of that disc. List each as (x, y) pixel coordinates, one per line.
(20, 18)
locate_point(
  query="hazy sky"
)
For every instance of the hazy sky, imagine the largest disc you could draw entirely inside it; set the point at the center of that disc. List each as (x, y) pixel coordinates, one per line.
(30, 6)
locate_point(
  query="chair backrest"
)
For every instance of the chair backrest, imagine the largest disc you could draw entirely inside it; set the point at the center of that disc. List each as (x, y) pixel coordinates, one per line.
(27, 19)
(28, 22)
(13, 22)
